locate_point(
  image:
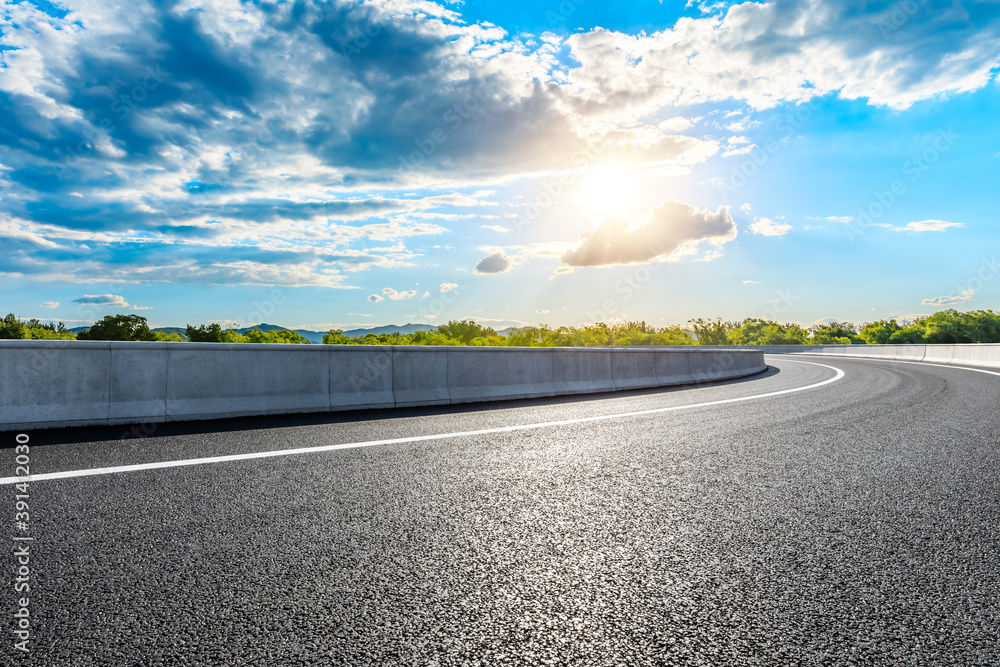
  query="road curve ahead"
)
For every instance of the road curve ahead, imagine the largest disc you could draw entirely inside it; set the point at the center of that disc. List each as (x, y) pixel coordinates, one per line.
(843, 512)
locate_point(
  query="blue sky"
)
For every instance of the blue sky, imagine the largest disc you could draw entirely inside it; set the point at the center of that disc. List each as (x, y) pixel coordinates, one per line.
(342, 165)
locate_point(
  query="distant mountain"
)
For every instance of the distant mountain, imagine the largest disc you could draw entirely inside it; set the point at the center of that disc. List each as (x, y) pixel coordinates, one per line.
(391, 329)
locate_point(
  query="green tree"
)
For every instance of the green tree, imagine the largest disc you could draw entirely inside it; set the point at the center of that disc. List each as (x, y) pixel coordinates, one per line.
(951, 326)
(211, 333)
(672, 336)
(13, 328)
(284, 336)
(465, 331)
(47, 331)
(756, 331)
(335, 337)
(834, 333)
(524, 337)
(908, 336)
(879, 333)
(119, 327)
(712, 332)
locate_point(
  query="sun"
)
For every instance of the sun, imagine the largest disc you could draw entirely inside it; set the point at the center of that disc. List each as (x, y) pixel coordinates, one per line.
(608, 192)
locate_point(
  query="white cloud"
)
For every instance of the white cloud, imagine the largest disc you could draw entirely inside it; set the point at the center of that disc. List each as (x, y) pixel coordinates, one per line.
(375, 298)
(496, 228)
(672, 228)
(950, 300)
(773, 52)
(927, 226)
(103, 300)
(707, 6)
(447, 287)
(745, 208)
(751, 282)
(676, 124)
(393, 295)
(561, 271)
(742, 150)
(768, 227)
(839, 218)
(140, 308)
(50, 304)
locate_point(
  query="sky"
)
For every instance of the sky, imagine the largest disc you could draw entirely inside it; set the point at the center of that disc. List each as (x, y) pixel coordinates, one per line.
(354, 164)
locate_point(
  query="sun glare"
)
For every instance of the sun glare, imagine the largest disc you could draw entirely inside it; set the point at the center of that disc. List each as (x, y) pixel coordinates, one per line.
(609, 192)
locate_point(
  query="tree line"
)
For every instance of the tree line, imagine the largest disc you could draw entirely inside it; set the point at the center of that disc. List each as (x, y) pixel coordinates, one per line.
(948, 326)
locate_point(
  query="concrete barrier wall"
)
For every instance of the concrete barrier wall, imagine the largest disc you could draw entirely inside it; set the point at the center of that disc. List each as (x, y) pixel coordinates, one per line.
(75, 383)
(985, 355)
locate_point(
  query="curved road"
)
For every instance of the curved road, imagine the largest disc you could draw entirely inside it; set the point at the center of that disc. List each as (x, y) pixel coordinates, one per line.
(846, 512)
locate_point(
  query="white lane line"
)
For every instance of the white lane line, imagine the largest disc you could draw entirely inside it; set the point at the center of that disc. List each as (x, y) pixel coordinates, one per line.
(894, 361)
(417, 438)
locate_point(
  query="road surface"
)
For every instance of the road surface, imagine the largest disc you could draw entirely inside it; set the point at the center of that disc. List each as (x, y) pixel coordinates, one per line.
(832, 511)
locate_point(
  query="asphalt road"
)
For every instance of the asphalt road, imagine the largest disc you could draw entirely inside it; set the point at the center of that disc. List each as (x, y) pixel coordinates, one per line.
(853, 523)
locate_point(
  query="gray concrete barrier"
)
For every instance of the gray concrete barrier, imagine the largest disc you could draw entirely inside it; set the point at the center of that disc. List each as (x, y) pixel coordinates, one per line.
(985, 355)
(939, 354)
(73, 383)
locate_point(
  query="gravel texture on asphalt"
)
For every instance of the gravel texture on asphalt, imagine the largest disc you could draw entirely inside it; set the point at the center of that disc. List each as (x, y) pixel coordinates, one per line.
(852, 524)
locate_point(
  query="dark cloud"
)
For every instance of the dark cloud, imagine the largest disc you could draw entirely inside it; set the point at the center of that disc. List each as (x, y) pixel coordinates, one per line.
(496, 263)
(102, 300)
(663, 231)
